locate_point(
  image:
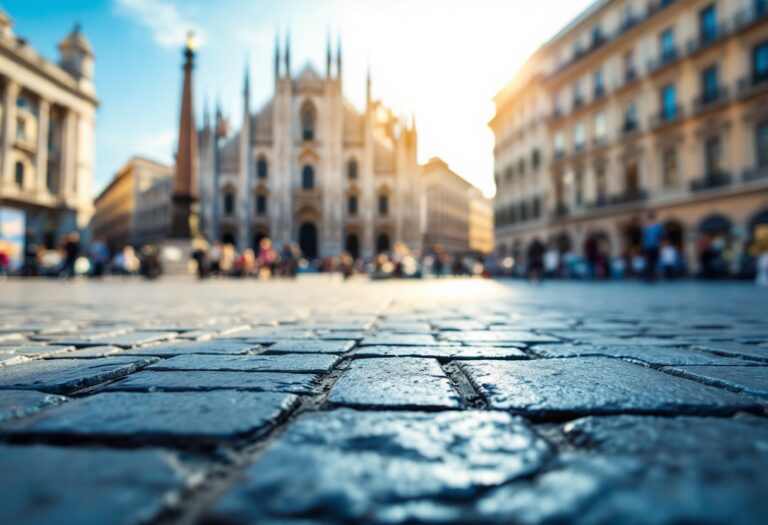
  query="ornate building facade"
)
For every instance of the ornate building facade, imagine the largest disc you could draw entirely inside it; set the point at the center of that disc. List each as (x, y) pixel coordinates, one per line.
(310, 168)
(48, 115)
(639, 106)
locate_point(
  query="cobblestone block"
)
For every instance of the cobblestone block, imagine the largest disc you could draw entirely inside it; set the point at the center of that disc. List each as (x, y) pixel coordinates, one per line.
(64, 376)
(400, 340)
(176, 418)
(214, 346)
(311, 346)
(407, 382)
(756, 352)
(490, 337)
(290, 363)
(653, 436)
(89, 486)
(750, 380)
(20, 403)
(188, 381)
(382, 467)
(593, 385)
(652, 355)
(443, 353)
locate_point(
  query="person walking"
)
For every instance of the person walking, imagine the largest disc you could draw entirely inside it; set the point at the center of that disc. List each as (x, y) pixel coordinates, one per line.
(653, 233)
(71, 250)
(535, 261)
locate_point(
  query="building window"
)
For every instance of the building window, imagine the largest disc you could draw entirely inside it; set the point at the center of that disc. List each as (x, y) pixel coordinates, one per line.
(629, 66)
(669, 102)
(761, 144)
(229, 203)
(669, 171)
(713, 156)
(536, 207)
(383, 205)
(630, 117)
(760, 63)
(600, 127)
(559, 143)
(308, 118)
(509, 173)
(601, 185)
(668, 50)
(599, 83)
(709, 85)
(308, 177)
(578, 98)
(261, 168)
(352, 205)
(521, 166)
(578, 190)
(352, 169)
(19, 173)
(261, 204)
(535, 159)
(523, 212)
(579, 136)
(708, 23)
(21, 129)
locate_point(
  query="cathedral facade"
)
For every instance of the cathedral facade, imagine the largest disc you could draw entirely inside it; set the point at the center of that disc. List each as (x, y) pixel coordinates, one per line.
(310, 168)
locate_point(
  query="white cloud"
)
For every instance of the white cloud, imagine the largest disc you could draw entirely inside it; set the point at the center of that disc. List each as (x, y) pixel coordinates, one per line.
(159, 146)
(169, 27)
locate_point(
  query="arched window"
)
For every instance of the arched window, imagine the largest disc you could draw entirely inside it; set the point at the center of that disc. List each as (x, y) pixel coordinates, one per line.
(308, 177)
(229, 203)
(19, 171)
(383, 204)
(261, 168)
(261, 204)
(352, 169)
(382, 243)
(308, 118)
(352, 205)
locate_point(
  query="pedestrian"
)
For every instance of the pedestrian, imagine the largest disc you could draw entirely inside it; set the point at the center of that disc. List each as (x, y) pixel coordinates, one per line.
(5, 259)
(670, 260)
(592, 254)
(551, 262)
(200, 256)
(71, 249)
(653, 233)
(99, 253)
(762, 269)
(535, 261)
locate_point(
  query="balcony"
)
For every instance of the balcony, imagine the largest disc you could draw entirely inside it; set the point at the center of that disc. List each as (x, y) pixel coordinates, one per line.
(753, 85)
(667, 117)
(707, 38)
(759, 173)
(561, 210)
(630, 127)
(752, 15)
(578, 101)
(665, 59)
(630, 76)
(598, 92)
(710, 100)
(629, 196)
(711, 181)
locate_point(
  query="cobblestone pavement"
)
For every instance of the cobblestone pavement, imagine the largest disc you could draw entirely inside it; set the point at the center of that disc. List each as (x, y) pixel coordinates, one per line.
(317, 401)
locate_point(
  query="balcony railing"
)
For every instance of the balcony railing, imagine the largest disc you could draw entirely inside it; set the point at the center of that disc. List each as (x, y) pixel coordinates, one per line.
(707, 38)
(629, 127)
(629, 196)
(709, 99)
(578, 101)
(598, 92)
(666, 58)
(751, 15)
(758, 173)
(667, 116)
(752, 84)
(561, 210)
(711, 181)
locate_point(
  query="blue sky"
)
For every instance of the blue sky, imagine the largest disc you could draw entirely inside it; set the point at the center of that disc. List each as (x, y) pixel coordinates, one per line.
(440, 59)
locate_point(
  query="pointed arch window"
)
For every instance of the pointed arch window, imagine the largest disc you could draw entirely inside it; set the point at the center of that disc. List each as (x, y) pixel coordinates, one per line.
(229, 202)
(383, 205)
(261, 204)
(352, 169)
(308, 177)
(261, 168)
(352, 205)
(308, 121)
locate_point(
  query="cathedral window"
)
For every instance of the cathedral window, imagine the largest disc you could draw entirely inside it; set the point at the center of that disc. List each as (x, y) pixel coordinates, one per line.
(308, 121)
(261, 204)
(308, 177)
(352, 205)
(352, 169)
(383, 204)
(19, 173)
(261, 168)
(229, 203)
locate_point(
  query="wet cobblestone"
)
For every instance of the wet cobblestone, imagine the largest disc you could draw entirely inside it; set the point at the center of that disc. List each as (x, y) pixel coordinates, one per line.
(322, 402)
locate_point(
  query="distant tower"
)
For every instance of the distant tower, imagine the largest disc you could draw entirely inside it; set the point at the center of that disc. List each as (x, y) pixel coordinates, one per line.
(184, 213)
(76, 57)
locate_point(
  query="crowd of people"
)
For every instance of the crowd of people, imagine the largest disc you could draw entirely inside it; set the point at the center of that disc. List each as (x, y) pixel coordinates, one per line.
(654, 257)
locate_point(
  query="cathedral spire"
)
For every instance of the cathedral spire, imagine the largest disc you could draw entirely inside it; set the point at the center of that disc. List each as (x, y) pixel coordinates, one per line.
(246, 88)
(338, 56)
(288, 54)
(368, 86)
(328, 54)
(277, 56)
